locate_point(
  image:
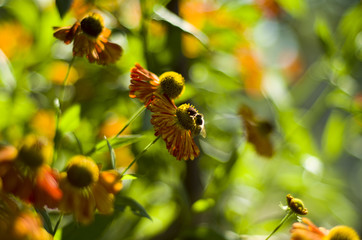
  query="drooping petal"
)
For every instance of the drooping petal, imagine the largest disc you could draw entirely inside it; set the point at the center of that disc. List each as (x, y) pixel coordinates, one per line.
(67, 34)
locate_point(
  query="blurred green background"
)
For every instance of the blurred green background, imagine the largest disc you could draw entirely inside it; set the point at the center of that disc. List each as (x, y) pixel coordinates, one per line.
(296, 64)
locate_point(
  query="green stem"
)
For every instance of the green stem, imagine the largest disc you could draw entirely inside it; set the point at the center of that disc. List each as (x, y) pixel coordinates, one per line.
(140, 154)
(65, 80)
(57, 224)
(58, 105)
(143, 31)
(281, 223)
(131, 119)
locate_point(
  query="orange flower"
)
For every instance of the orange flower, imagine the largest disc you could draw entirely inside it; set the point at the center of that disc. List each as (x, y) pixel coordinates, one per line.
(144, 84)
(19, 224)
(270, 8)
(308, 231)
(177, 126)
(14, 35)
(86, 189)
(251, 70)
(43, 123)
(257, 132)
(25, 173)
(90, 39)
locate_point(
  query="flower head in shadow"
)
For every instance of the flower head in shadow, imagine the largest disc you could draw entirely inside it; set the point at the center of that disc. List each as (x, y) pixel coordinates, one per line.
(90, 39)
(26, 173)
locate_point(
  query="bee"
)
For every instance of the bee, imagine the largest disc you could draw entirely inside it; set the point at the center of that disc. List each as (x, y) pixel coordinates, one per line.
(200, 128)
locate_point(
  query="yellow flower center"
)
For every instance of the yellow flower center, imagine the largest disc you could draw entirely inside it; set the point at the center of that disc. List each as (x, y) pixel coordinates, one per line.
(185, 116)
(92, 25)
(82, 171)
(342, 233)
(172, 84)
(296, 205)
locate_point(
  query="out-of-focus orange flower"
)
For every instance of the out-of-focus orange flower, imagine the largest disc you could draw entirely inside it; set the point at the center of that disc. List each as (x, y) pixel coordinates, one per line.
(145, 84)
(26, 174)
(191, 46)
(80, 8)
(14, 35)
(86, 189)
(112, 126)
(177, 126)
(90, 40)
(308, 231)
(257, 132)
(251, 70)
(20, 224)
(43, 123)
(270, 8)
(57, 70)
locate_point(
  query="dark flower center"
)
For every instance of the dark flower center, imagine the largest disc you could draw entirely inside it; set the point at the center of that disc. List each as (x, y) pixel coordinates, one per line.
(32, 156)
(185, 114)
(91, 26)
(79, 176)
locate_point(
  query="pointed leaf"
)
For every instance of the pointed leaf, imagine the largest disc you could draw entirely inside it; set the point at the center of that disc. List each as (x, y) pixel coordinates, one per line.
(122, 202)
(162, 13)
(121, 141)
(63, 6)
(111, 152)
(46, 219)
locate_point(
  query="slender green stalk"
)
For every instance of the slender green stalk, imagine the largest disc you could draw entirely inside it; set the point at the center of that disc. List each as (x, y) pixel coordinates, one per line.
(65, 80)
(143, 31)
(58, 104)
(140, 154)
(57, 224)
(143, 108)
(79, 143)
(281, 223)
(131, 120)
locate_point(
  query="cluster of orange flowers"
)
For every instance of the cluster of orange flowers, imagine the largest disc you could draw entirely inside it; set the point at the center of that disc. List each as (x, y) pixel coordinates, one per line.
(176, 125)
(26, 174)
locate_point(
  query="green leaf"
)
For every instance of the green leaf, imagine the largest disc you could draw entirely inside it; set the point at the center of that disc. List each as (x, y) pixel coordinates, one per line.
(120, 141)
(93, 231)
(325, 36)
(70, 120)
(63, 6)
(129, 177)
(122, 202)
(162, 13)
(332, 140)
(111, 152)
(7, 79)
(46, 219)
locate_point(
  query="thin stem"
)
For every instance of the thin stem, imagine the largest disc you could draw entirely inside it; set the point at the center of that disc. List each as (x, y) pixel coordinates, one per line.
(140, 154)
(65, 80)
(131, 119)
(143, 31)
(79, 143)
(281, 223)
(58, 104)
(56, 135)
(57, 224)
